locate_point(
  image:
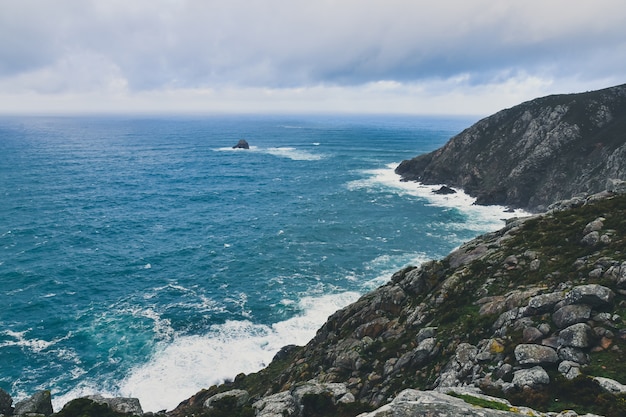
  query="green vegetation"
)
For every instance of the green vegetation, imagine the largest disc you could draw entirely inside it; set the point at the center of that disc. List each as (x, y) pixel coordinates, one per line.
(481, 402)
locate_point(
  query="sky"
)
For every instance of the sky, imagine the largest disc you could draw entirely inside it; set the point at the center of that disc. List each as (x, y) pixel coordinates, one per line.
(471, 57)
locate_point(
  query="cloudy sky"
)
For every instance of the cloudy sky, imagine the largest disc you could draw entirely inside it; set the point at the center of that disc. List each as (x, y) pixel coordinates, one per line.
(206, 56)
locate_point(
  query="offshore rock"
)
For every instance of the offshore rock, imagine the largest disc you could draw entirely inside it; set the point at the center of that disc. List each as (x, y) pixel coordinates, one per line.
(242, 144)
(536, 153)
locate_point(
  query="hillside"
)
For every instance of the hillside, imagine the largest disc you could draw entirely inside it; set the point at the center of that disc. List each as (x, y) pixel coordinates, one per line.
(531, 155)
(531, 313)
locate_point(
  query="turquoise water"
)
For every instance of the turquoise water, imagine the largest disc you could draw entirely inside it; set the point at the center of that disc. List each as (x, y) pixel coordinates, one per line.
(145, 257)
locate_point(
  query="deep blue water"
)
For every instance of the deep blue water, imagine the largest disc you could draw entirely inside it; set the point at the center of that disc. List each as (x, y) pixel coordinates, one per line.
(145, 257)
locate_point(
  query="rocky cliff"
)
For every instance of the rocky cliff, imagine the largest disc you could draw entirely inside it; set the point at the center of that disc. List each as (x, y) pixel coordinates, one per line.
(536, 153)
(533, 315)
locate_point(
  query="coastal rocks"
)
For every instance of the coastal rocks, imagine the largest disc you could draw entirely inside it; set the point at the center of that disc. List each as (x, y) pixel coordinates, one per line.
(611, 385)
(593, 294)
(242, 144)
(571, 314)
(39, 403)
(281, 404)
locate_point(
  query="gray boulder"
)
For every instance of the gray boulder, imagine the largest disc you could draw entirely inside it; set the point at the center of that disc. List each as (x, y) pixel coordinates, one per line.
(543, 303)
(277, 405)
(611, 385)
(572, 354)
(571, 314)
(39, 403)
(530, 354)
(124, 405)
(414, 403)
(532, 378)
(592, 294)
(6, 403)
(240, 396)
(569, 369)
(578, 335)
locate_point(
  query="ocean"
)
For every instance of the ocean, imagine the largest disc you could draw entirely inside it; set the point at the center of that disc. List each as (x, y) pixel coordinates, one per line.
(143, 256)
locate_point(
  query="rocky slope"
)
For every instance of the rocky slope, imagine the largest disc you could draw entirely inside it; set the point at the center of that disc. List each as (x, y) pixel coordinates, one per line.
(534, 313)
(533, 154)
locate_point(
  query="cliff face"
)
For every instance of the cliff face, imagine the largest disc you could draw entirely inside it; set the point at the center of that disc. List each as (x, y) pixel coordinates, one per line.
(533, 312)
(534, 154)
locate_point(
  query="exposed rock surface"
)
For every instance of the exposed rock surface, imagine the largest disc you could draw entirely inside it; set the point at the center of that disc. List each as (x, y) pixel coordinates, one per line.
(531, 155)
(39, 403)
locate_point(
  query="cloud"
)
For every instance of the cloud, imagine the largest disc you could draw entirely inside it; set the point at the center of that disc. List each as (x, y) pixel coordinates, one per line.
(119, 49)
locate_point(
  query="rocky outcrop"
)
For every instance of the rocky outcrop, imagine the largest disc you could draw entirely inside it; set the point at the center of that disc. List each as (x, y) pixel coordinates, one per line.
(242, 144)
(534, 154)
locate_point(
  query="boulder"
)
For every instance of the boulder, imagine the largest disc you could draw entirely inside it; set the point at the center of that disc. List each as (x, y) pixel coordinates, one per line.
(278, 405)
(125, 405)
(532, 378)
(571, 314)
(239, 396)
(531, 334)
(611, 385)
(39, 403)
(591, 239)
(242, 144)
(594, 226)
(530, 354)
(543, 303)
(592, 294)
(6, 403)
(569, 369)
(578, 335)
(414, 403)
(573, 354)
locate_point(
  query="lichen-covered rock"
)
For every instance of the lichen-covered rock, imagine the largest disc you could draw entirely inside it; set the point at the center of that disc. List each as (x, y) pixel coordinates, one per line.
(569, 369)
(577, 335)
(592, 294)
(571, 314)
(125, 405)
(281, 404)
(530, 354)
(611, 385)
(39, 403)
(240, 396)
(544, 303)
(531, 378)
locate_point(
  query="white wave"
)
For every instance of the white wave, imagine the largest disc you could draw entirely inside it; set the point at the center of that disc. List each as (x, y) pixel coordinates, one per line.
(20, 340)
(187, 364)
(480, 218)
(282, 152)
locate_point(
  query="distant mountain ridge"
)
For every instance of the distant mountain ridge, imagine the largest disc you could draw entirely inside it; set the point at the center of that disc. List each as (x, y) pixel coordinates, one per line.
(534, 154)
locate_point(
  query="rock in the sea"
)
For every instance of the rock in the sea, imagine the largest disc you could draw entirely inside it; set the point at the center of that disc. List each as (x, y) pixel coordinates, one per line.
(242, 144)
(39, 403)
(444, 190)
